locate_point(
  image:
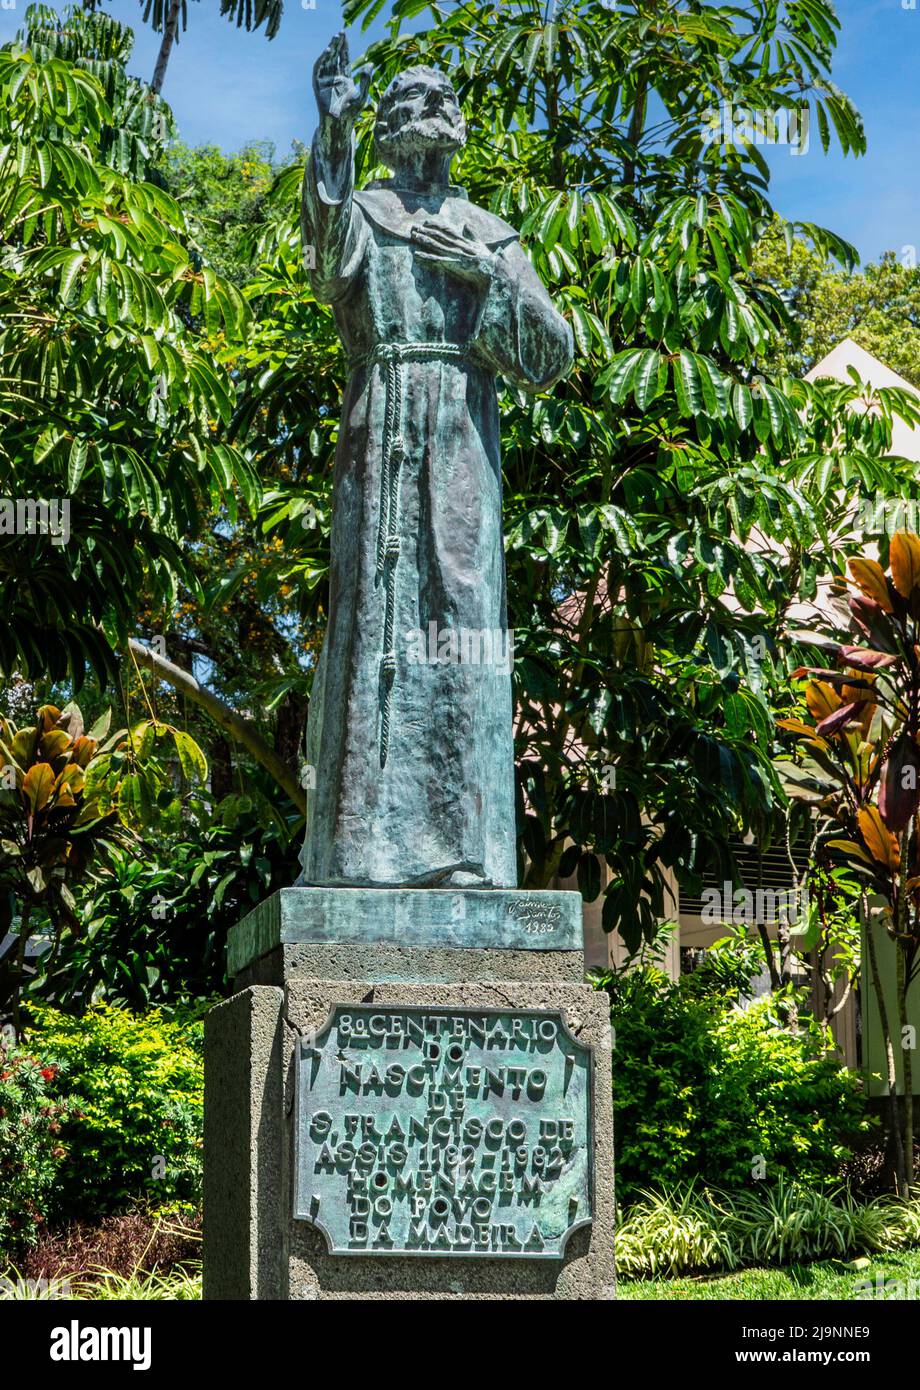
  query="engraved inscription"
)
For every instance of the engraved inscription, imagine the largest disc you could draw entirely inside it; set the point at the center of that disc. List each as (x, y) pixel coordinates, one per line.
(444, 1132)
(537, 919)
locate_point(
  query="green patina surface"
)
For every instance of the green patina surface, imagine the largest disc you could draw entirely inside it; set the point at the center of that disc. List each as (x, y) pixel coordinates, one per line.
(450, 919)
(409, 737)
(456, 1132)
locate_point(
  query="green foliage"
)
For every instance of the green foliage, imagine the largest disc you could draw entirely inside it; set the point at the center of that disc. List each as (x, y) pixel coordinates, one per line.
(240, 12)
(136, 121)
(223, 197)
(891, 1277)
(670, 501)
(182, 1285)
(31, 1147)
(706, 1090)
(153, 931)
(58, 806)
(69, 802)
(857, 770)
(694, 1228)
(242, 609)
(727, 967)
(877, 306)
(137, 1085)
(665, 506)
(110, 402)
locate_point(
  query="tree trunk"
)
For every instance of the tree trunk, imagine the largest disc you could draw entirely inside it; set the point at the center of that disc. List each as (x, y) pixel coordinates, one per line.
(769, 956)
(907, 1067)
(894, 1119)
(784, 944)
(226, 718)
(634, 135)
(221, 770)
(290, 723)
(539, 875)
(169, 38)
(19, 977)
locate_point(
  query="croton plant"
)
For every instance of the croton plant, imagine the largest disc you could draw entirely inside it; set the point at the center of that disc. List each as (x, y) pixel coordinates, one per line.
(68, 798)
(860, 769)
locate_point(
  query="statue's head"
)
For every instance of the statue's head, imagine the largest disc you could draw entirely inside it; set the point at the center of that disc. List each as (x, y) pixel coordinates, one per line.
(418, 112)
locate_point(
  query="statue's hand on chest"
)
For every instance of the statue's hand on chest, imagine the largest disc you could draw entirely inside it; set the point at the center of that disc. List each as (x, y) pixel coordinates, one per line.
(459, 253)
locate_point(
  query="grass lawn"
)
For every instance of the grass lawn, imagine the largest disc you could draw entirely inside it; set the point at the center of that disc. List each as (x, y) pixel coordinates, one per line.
(828, 1279)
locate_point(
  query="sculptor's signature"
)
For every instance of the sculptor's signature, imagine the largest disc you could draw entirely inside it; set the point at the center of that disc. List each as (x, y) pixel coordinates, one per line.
(537, 919)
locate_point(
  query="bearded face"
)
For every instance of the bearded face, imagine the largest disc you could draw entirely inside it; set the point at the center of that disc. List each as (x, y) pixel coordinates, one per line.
(419, 112)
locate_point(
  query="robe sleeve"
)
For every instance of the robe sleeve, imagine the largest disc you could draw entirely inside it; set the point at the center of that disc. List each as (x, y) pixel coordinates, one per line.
(333, 227)
(519, 333)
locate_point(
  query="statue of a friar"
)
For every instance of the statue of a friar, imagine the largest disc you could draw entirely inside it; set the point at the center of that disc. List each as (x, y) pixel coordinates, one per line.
(409, 728)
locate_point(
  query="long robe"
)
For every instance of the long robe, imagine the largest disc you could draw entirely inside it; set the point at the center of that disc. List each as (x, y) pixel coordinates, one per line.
(412, 755)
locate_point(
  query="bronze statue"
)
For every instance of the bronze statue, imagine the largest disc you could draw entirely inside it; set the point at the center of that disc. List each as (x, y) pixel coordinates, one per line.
(409, 729)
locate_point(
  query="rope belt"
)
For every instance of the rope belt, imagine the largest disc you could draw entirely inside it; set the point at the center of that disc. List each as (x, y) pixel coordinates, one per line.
(392, 356)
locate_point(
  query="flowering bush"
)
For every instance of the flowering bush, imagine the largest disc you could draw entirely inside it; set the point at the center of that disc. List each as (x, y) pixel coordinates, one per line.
(31, 1148)
(137, 1086)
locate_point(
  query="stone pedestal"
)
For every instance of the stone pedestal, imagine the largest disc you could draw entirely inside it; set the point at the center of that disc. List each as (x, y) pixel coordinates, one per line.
(398, 1107)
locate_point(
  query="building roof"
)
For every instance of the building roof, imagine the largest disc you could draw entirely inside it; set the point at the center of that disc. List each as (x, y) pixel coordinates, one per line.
(905, 440)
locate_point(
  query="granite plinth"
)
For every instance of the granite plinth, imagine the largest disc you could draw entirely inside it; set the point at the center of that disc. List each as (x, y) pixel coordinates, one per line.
(277, 1229)
(254, 1246)
(407, 964)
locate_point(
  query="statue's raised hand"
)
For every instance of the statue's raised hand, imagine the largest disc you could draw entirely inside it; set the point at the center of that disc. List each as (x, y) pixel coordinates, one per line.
(338, 96)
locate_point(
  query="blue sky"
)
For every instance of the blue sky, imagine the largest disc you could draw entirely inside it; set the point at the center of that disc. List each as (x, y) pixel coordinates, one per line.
(229, 87)
(873, 201)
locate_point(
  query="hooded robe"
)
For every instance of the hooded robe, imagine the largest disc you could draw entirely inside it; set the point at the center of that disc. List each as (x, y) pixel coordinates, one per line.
(409, 729)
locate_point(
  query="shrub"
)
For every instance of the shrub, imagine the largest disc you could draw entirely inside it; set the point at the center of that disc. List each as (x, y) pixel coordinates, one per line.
(789, 1093)
(183, 1284)
(31, 1148)
(136, 1082)
(705, 1090)
(689, 1228)
(128, 1244)
(123, 951)
(180, 1285)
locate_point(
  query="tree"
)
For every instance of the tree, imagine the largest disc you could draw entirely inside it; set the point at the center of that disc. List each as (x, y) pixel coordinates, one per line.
(152, 930)
(111, 397)
(665, 507)
(164, 16)
(70, 802)
(239, 630)
(878, 306)
(224, 198)
(668, 503)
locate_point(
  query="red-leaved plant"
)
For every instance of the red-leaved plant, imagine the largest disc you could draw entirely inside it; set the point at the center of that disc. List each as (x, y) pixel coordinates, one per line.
(860, 770)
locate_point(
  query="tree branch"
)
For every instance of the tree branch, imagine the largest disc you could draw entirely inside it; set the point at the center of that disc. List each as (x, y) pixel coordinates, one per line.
(232, 723)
